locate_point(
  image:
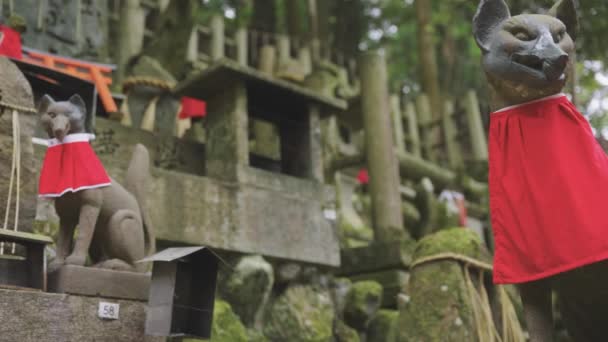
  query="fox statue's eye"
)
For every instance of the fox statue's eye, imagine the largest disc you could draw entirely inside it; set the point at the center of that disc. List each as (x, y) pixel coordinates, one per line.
(558, 37)
(523, 36)
(52, 115)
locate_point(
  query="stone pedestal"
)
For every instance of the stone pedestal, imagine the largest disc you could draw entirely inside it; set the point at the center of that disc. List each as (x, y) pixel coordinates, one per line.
(29, 316)
(89, 281)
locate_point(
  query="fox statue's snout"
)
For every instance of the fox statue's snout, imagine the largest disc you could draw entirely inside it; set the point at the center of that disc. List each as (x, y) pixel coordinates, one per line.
(62, 118)
(60, 126)
(546, 57)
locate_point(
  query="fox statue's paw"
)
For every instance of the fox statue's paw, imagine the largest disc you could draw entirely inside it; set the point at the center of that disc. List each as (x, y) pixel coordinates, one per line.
(55, 265)
(76, 259)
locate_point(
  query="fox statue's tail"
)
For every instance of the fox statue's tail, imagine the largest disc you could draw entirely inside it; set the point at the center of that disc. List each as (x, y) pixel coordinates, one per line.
(137, 180)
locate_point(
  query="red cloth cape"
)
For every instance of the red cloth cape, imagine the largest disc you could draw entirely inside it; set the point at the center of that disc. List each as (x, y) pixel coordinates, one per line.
(10, 43)
(548, 184)
(71, 165)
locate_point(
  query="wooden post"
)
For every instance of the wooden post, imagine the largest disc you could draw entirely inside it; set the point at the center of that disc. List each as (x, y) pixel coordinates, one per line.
(217, 37)
(425, 119)
(397, 123)
(449, 131)
(241, 39)
(476, 130)
(381, 160)
(412, 125)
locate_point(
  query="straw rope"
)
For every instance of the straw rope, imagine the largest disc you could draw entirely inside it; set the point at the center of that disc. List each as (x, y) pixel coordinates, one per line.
(146, 81)
(15, 173)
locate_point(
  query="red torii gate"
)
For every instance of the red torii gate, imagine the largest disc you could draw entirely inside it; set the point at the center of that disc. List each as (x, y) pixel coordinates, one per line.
(99, 74)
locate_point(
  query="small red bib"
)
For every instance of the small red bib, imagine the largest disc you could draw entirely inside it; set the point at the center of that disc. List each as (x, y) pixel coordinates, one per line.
(548, 183)
(70, 165)
(10, 42)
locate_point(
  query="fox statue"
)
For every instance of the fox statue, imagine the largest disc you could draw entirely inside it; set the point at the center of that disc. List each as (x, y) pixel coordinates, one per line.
(114, 229)
(547, 174)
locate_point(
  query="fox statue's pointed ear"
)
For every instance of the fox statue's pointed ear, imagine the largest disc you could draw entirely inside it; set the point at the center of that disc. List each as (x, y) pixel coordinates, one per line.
(45, 102)
(565, 10)
(490, 13)
(77, 101)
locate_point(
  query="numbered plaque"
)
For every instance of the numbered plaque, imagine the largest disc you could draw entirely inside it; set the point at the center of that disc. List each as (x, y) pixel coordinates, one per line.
(108, 310)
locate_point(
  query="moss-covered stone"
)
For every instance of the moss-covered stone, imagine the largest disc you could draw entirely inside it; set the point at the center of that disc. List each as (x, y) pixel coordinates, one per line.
(383, 327)
(248, 287)
(301, 314)
(454, 240)
(226, 324)
(339, 291)
(344, 333)
(256, 336)
(362, 303)
(439, 307)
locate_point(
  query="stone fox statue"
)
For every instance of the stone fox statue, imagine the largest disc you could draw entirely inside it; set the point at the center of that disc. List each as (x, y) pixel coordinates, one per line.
(548, 177)
(113, 226)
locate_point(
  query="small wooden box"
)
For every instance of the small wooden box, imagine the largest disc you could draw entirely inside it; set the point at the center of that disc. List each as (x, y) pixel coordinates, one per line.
(182, 292)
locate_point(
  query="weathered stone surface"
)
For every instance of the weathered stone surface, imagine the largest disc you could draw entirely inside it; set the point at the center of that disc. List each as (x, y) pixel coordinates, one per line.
(301, 314)
(362, 303)
(440, 308)
(89, 281)
(344, 333)
(383, 327)
(248, 288)
(72, 28)
(15, 91)
(37, 316)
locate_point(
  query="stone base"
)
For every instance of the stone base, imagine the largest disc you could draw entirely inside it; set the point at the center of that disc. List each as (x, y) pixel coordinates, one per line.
(29, 316)
(89, 281)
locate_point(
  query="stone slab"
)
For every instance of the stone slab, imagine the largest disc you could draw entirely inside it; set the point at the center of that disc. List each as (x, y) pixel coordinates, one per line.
(376, 257)
(89, 281)
(29, 316)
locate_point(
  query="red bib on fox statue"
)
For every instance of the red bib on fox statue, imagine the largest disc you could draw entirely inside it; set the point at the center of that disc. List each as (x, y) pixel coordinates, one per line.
(548, 183)
(70, 165)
